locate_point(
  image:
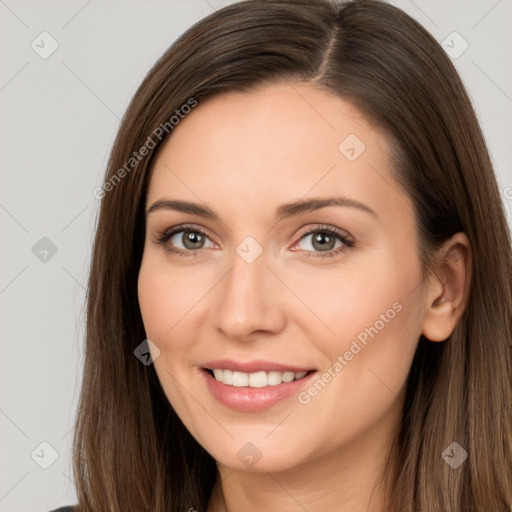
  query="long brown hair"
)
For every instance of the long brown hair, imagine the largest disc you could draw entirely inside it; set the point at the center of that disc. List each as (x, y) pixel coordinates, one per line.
(131, 451)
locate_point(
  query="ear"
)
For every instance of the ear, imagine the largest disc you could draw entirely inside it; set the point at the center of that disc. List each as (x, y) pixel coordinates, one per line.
(447, 289)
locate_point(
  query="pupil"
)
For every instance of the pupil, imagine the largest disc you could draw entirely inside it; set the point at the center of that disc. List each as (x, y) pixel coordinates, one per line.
(323, 242)
(192, 240)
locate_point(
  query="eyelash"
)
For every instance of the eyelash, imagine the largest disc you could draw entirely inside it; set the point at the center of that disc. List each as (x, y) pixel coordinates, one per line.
(163, 237)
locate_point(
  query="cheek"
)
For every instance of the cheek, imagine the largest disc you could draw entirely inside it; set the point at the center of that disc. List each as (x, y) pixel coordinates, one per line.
(155, 298)
(373, 315)
(166, 299)
(167, 295)
(371, 319)
(371, 289)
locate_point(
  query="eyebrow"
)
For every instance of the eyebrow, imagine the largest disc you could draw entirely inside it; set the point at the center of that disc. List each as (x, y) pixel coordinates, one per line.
(284, 211)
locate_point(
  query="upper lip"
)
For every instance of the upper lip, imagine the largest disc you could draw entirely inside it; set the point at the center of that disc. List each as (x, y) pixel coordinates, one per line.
(252, 366)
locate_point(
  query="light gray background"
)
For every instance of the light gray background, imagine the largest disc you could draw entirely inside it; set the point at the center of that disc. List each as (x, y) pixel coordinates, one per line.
(59, 117)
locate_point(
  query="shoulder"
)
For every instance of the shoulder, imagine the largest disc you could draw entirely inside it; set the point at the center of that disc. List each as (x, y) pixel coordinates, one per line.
(64, 509)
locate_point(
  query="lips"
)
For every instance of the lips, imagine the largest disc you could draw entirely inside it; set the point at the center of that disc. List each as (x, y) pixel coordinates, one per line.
(246, 398)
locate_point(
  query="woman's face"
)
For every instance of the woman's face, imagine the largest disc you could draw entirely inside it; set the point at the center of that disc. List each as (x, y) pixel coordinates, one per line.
(285, 247)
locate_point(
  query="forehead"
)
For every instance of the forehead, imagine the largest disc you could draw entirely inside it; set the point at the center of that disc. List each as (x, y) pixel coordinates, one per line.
(278, 142)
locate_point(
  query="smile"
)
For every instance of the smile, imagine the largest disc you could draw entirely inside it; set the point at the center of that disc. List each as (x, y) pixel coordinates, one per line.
(255, 389)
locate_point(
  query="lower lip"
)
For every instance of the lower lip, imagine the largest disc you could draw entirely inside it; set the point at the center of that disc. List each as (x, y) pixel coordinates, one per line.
(247, 399)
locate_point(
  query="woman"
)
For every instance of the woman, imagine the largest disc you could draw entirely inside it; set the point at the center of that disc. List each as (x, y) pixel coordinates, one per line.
(300, 293)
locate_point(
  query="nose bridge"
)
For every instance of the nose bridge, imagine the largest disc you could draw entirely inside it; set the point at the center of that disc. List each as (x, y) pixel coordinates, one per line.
(244, 303)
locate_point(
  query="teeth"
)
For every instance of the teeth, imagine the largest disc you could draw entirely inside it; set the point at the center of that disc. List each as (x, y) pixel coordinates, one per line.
(274, 378)
(226, 376)
(240, 379)
(258, 380)
(255, 380)
(288, 376)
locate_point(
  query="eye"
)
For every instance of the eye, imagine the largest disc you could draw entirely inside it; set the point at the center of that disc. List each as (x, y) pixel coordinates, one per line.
(184, 240)
(190, 239)
(325, 239)
(321, 242)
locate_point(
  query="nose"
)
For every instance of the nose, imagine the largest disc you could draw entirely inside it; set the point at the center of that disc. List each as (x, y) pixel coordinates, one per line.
(250, 301)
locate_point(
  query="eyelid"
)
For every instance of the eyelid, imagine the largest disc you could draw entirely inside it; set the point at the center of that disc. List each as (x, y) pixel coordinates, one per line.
(170, 232)
(323, 228)
(346, 239)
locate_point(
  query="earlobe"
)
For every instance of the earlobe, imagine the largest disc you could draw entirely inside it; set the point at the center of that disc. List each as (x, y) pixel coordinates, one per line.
(447, 290)
(440, 319)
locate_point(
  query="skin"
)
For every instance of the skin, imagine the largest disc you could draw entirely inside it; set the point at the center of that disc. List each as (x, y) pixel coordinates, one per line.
(243, 155)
